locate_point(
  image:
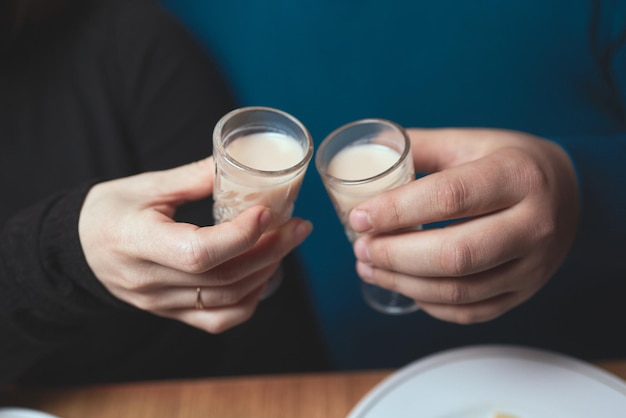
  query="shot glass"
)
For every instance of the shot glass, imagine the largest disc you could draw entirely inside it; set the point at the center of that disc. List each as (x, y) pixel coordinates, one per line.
(261, 155)
(357, 162)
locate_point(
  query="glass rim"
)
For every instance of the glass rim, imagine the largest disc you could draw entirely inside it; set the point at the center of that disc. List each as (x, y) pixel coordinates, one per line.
(217, 131)
(337, 180)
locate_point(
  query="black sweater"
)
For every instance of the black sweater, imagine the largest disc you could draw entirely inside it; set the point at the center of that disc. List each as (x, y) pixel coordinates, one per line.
(111, 89)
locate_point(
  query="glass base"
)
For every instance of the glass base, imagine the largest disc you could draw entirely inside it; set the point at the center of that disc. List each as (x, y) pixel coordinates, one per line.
(386, 301)
(273, 283)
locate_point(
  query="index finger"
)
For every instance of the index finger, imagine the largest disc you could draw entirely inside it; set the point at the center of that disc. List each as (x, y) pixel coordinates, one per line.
(475, 188)
(193, 249)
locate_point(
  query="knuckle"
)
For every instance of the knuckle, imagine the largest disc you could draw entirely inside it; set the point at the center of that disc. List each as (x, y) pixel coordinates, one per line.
(454, 292)
(393, 212)
(457, 259)
(196, 256)
(450, 197)
(388, 211)
(192, 258)
(535, 174)
(529, 172)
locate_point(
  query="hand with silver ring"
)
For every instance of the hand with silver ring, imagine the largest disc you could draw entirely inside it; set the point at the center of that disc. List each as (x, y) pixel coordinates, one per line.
(145, 258)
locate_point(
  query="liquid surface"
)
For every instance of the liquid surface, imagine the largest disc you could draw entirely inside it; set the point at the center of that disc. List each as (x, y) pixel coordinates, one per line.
(276, 187)
(362, 161)
(267, 151)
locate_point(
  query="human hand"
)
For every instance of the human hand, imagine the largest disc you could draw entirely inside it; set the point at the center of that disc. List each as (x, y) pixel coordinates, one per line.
(148, 260)
(518, 197)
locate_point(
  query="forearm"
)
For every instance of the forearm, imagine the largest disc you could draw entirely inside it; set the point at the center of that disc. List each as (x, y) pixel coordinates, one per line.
(47, 291)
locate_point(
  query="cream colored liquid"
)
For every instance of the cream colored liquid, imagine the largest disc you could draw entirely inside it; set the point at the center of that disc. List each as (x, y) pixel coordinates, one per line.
(237, 190)
(268, 151)
(363, 162)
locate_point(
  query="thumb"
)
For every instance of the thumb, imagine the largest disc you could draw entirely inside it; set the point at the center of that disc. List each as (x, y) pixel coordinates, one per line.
(175, 186)
(439, 149)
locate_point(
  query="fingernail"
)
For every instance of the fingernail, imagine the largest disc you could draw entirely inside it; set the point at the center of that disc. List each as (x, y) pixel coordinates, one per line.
(265, 218)
(302, 230)
(360, 221)
(361, 251)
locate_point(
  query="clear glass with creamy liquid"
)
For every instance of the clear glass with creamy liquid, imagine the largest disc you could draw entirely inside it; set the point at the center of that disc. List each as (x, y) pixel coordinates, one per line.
(261, 155)
(357, 162)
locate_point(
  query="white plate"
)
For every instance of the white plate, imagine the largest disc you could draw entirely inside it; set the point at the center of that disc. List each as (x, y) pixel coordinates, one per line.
(481, 381)
(23, 413)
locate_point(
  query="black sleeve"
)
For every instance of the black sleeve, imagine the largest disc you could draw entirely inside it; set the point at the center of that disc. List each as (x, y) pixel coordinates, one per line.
(41, 267)
(173, 93)
(168, 96)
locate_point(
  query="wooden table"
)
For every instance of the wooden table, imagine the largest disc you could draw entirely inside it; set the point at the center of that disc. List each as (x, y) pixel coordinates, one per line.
(324, 395)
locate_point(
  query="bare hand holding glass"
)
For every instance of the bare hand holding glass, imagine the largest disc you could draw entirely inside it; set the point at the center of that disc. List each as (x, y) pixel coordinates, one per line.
(510, 202)
(146, 259)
